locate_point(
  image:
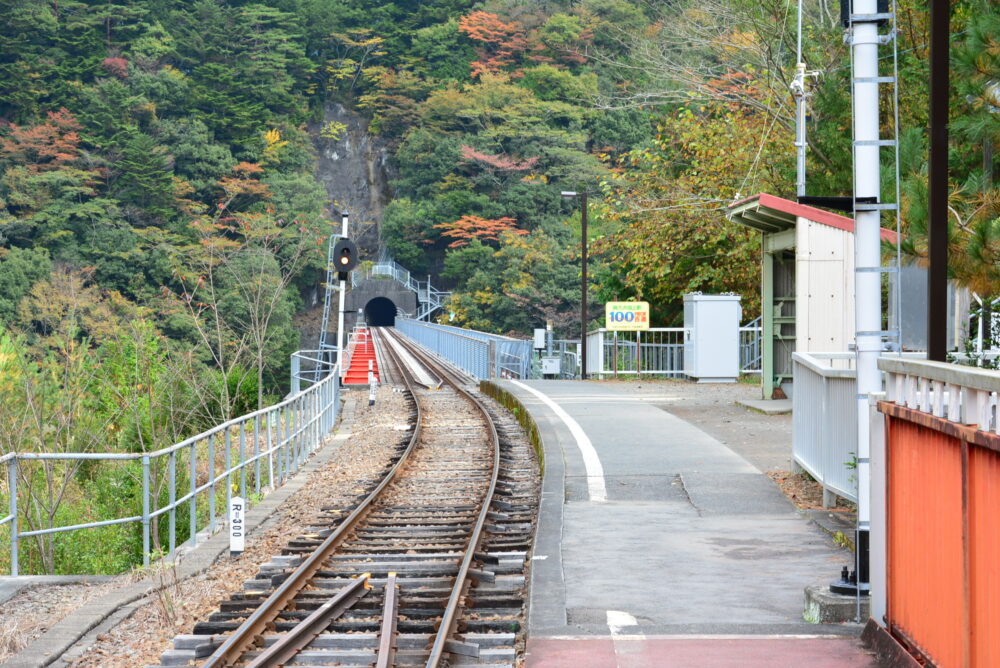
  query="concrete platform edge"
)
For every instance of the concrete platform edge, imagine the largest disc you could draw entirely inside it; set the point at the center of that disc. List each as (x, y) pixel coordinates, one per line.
(887, 649)
(78, 630)
(767, 406)
(547, 591)
(10, 586)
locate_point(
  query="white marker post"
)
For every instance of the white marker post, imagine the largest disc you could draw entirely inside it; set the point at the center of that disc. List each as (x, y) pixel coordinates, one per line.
(237, 529)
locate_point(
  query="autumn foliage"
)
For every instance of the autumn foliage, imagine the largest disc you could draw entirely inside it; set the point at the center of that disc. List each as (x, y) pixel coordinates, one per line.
(467, 228)
(44, 147)
(116, 65)
(501, 42)
(497, 162)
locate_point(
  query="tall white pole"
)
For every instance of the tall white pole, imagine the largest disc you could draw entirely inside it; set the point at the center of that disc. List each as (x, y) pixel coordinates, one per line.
(799, 91)
(340, 308)
(867, 258)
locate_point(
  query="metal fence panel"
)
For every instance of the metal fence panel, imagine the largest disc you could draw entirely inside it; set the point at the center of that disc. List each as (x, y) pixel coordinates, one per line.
(824, 420)
(479, 354)
(750, 346)
(284, 434)
(657, 351)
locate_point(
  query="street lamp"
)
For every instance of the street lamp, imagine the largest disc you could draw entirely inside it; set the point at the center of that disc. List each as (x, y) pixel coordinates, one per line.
(583, 280)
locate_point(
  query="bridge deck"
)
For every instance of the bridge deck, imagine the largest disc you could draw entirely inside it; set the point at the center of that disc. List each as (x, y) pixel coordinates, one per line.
(658, 542)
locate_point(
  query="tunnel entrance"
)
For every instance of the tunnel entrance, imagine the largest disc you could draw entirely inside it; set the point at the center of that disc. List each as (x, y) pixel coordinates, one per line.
(380, 312)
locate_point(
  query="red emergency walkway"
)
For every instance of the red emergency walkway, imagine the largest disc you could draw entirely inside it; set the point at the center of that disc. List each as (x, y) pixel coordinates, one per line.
(362, 351)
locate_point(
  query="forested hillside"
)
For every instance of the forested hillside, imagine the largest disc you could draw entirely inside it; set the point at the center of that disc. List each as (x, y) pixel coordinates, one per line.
(161, 220)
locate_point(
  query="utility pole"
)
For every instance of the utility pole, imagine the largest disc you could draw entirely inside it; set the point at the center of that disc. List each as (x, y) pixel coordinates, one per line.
(863, 24)
(937, 196)
(583, 289)
(799, 91)
(583, 279)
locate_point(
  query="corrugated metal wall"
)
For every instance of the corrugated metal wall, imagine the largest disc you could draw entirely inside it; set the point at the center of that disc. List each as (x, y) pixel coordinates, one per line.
(943, 562)
(925, 540)
(984, 555)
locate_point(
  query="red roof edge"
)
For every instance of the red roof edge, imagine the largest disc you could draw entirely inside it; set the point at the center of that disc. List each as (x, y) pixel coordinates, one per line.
(810, 212)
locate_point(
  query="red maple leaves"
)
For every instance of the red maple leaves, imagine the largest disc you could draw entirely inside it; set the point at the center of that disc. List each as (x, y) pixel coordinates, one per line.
(467, 228)
(116, 65)
(45, 147)
(501, 42)
(497, 162)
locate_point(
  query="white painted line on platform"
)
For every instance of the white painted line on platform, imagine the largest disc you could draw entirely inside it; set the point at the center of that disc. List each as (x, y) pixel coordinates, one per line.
(591, 462)
(618, 620)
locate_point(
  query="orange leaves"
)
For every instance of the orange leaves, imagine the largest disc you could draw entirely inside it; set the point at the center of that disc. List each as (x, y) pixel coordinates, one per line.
(501, 42)
(245, 181)
(467, 228)
(45, 147)
(116, 66)
(248, 169)
(498, 162)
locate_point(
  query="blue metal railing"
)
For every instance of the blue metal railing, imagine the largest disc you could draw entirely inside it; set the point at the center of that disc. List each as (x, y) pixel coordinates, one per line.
(266, 446)
(479, 354)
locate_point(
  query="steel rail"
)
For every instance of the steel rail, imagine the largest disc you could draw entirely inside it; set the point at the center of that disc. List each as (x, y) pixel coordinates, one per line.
(456, 602)
(293, 642)
(386, 657)
(263, 617)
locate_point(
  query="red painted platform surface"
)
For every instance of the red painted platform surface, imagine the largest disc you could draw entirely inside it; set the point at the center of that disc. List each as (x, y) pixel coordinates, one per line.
(362, 352)
(696, 652)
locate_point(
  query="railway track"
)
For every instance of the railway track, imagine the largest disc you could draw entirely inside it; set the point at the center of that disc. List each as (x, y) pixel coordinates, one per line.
(428, 569)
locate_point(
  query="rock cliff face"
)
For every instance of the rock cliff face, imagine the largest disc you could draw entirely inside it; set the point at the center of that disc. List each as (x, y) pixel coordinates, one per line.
(355, 170)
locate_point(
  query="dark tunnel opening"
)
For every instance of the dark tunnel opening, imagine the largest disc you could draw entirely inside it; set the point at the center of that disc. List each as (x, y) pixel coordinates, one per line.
(380, 312)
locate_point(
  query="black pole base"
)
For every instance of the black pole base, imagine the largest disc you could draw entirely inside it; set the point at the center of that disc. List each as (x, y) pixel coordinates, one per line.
(848, 585)
(850, 588)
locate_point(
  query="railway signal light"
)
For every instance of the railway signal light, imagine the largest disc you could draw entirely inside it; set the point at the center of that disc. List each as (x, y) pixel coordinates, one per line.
(345, 258)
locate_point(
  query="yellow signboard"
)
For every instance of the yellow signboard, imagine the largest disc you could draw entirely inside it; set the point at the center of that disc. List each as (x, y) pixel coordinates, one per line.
(626, 316)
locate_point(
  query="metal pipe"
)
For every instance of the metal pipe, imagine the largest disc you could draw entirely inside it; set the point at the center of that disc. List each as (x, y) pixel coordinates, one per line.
(867, 237)
(228, 462)
(583, 289)
(799, 91)
(270, 452)
(211, 483)
(193, 518)
(173, 502)
(256, 454)
(145, 511)
(15, 541)
(243, 461)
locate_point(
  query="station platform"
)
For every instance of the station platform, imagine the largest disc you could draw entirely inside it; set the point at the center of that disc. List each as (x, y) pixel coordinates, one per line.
(658, 545)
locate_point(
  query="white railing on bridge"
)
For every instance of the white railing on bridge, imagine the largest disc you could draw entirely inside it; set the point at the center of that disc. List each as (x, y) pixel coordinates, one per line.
(825, 420)
(253, 452)
(480, 354)
(657, 351)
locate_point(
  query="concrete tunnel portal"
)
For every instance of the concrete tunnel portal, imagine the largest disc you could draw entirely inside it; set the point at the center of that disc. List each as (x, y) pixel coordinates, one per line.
(380, 312)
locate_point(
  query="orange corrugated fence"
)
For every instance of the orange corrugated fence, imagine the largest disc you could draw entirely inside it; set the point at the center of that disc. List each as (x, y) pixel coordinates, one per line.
(943, 542)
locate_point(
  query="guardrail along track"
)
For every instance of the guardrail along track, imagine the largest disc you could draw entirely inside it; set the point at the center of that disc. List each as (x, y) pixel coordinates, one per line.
(426, 569)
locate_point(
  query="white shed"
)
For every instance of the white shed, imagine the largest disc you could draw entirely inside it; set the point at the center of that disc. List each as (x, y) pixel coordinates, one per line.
(807, 281)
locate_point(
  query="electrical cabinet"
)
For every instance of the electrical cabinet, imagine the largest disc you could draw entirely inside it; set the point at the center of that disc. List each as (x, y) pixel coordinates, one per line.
(712, 337)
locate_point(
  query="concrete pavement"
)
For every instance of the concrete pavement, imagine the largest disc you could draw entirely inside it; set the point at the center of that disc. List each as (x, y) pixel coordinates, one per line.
(690, 552)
